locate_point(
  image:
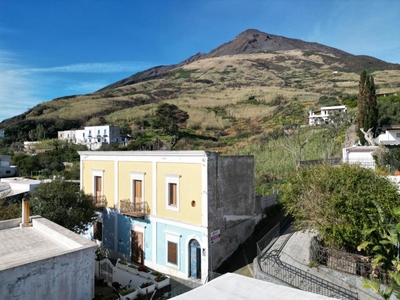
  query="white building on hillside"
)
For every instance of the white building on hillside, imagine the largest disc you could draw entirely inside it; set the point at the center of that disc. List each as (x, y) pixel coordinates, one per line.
(361, 155)
(6, 169)
(1, 134)
(92, 136)
(390, 135)
(323, 116)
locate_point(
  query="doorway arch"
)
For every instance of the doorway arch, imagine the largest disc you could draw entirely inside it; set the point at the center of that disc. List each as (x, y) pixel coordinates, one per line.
(194, 259)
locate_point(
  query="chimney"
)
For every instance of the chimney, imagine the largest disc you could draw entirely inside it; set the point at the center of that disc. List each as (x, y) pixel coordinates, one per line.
(26, 218)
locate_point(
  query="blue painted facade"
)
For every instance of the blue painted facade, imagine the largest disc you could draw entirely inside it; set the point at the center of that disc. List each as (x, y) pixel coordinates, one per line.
(121, 234)
(117, 238)
(184, 235)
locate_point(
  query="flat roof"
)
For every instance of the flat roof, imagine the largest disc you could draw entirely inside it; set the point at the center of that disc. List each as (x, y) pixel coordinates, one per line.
(22, 180)
(145, 153)
(44, 239)
(233, 286)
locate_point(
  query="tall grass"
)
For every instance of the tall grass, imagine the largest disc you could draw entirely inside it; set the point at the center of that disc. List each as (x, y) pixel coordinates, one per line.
(274, 163)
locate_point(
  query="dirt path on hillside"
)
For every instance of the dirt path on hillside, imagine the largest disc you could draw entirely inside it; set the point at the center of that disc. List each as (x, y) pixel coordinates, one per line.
(351, 136)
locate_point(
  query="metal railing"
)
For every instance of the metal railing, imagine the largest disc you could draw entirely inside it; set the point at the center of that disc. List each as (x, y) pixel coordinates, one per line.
(271, 265)
(100, 201)
(134, 209)
(269, 239)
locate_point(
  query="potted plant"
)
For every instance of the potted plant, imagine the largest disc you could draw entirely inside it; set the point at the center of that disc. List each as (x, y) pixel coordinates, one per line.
(143, 271)
(147, 287)
(128, 294)
(122, 264)
(99, 255)
(154, 274)
(161, 281)
(133, 269)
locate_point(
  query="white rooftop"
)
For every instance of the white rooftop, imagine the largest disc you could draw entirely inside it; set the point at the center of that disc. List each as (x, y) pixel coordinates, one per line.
(44, 239)
(233, 286)
(21, 180)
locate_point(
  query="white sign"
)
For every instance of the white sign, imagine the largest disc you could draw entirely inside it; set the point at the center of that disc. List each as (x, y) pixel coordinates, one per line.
(215, 236)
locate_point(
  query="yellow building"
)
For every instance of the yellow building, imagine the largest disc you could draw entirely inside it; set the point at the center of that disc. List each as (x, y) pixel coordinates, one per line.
(180, 212)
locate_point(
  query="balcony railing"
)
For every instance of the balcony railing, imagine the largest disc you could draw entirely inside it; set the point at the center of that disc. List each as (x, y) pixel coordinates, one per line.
(100, 201)
(137, 210)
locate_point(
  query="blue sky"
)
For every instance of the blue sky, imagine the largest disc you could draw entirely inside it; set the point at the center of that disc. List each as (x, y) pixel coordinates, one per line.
(54, 48)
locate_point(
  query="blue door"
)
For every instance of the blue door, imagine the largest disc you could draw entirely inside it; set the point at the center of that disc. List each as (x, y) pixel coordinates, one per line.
(195, 259)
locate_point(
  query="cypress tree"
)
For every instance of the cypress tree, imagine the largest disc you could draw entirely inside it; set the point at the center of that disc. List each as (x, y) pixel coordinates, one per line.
(367, 116)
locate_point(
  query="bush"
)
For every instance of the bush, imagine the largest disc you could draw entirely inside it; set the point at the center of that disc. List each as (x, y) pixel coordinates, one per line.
(342, 201)
(328, 101)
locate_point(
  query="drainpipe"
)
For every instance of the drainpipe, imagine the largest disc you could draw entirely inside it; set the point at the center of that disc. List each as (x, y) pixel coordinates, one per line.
(25, 222)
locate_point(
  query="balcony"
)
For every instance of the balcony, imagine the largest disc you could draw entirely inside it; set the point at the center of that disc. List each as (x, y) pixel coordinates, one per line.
(136, 210)
(100, 201)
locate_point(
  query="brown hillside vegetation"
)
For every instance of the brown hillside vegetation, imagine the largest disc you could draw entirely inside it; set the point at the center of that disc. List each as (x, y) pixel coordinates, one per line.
(251, 84)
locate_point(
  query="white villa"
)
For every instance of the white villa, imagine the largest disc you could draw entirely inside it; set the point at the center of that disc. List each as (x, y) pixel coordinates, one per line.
(390, 135)
(92, 136)
(1, 133)
(321, 116)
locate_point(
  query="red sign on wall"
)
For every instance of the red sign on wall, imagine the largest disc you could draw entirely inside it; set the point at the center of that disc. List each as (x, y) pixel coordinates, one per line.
(215, 236)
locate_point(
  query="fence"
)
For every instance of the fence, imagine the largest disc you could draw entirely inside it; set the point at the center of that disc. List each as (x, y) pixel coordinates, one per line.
(271, 265)
(305, 281)
(268, 201)
(269, 239)
(351, 263)
(330, 161)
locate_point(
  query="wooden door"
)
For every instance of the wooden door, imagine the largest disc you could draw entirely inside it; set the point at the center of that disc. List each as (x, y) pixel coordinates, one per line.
(137, 193)
(97, 188)
(137, 247)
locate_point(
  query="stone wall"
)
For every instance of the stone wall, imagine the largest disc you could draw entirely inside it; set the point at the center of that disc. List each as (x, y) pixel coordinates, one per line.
(231, 203)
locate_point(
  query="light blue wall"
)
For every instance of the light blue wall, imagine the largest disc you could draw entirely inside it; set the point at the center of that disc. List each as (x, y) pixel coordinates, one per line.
(123, 235)
(184, 235)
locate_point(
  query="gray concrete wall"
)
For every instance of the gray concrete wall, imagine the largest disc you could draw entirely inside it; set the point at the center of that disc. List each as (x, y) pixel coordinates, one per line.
(69, 277)
(231, 204)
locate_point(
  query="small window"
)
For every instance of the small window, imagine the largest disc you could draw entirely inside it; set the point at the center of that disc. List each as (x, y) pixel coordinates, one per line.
(398, 135)
(98, 230)
(105, 131)
(172, 191)
(8, 172)
(98, 132)
(172, 194)
(172, 253)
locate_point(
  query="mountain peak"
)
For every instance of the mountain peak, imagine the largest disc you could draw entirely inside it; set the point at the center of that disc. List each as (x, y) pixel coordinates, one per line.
(253, 40)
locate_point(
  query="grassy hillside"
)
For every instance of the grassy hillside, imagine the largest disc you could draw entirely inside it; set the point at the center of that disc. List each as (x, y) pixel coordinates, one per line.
(238, 104)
